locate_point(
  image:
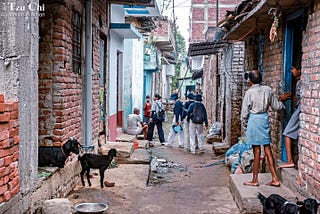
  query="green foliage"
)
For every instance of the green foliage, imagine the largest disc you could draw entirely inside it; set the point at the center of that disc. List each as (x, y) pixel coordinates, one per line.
(180, 54)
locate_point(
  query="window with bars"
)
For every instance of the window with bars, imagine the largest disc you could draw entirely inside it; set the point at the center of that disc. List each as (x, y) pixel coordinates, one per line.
(76, 42)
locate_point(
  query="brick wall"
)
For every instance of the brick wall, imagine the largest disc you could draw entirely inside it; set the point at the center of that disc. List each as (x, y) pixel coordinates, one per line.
(9, 150)
(203, 15)
(60, 89)
(309, 138)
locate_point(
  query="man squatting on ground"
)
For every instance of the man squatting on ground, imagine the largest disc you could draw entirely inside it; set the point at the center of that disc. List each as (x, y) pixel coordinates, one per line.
(255, 120)
(177, 121)
(135, 125)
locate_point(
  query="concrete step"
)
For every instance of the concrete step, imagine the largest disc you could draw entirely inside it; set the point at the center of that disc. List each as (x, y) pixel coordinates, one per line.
(246, 196)
(126, 138)
(128, 155)
(290, 178)
(220, 148)
(125, 149)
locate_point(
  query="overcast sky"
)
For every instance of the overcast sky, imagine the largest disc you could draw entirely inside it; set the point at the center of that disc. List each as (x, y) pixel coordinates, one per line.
(182, 12)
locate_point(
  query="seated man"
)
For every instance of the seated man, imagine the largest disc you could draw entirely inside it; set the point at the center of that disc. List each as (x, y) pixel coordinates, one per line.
(135, 125)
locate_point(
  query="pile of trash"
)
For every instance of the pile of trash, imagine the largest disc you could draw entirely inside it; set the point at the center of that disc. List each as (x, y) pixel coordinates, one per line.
(240, 157)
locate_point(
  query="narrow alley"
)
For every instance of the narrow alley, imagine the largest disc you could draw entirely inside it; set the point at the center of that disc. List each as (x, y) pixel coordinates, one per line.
(190, 186)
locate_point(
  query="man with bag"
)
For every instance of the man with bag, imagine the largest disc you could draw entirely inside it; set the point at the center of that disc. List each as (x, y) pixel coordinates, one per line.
(155, 121)
(198, 115)
(177, 122)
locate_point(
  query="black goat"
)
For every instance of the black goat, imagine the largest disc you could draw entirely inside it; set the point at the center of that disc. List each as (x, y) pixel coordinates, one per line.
(57, 155)
(276, 204)
(308, 206)
(93, 161)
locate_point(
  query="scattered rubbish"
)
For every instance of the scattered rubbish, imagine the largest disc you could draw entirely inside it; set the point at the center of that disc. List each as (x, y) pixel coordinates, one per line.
(159, 167)
(215, 163)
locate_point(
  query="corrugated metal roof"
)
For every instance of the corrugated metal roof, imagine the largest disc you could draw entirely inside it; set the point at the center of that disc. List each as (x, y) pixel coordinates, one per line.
(207, 48)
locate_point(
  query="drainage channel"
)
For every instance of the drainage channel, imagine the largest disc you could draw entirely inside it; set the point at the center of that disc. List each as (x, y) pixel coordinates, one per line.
(160, 168)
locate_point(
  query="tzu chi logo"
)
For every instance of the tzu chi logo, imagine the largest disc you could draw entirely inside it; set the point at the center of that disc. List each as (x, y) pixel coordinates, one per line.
(15, 9)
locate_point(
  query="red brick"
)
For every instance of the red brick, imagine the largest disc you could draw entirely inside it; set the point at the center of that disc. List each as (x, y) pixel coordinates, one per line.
(4, 135)
(14, 115)
(3, 189)
(1, 98)
(2, 107)
(6, 196)
(4, 153)
(12, 184)
(15, 106)
(15, 190)
(4, 117)
(15, 156)
(8, 160)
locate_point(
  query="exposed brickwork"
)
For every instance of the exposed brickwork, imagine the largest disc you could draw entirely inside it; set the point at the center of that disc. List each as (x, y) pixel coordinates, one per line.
(60, 89)
(309, 139)
(197, 33)
(9, 150)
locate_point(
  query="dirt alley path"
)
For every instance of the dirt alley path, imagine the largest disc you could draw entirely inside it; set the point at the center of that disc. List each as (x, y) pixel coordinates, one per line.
(197, 190)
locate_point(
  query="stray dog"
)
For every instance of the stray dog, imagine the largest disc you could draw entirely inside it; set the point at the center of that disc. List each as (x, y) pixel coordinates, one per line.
(308, 206)
(276, 204)
(57, 155)
(93, 161)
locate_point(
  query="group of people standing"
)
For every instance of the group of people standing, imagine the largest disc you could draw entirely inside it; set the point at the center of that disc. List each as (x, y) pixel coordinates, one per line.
(188, 118)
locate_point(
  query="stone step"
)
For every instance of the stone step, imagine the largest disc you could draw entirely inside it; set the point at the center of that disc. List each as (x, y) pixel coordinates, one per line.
(220, 148)
(128, 155)
(125, 149)
(290, 178)
(126, 138)
(246, 196)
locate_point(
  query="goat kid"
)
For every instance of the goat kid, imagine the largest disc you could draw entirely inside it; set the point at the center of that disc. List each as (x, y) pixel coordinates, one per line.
(308, 206)
(93, 161)
(57, 155)
(276, 204)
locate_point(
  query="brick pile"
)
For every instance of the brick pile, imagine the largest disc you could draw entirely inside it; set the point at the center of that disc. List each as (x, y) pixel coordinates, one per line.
(9, 150)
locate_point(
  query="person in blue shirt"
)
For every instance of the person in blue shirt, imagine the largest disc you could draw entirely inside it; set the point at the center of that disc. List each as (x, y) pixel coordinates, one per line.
(198, 115)
(177, 122)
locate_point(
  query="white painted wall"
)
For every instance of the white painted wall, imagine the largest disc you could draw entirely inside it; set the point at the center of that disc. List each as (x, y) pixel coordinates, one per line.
(137, 73)
(116, 44)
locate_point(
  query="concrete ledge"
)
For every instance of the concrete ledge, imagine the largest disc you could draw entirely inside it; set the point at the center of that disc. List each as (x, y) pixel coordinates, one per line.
(140, 156)
(246, 196)
(220, 148)
(125, 149)
(126, 138)
(290, 178)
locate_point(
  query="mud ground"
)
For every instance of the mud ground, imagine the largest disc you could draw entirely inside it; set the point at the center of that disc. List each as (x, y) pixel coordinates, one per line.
(197, 189)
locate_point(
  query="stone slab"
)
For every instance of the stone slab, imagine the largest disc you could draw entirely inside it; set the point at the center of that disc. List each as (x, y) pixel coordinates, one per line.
(126, 138)
(220, 148)
(246, 196)
(140, 156)
(125, 149)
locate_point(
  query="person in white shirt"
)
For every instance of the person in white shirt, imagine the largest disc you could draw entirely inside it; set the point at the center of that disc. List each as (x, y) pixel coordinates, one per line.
(135, 125)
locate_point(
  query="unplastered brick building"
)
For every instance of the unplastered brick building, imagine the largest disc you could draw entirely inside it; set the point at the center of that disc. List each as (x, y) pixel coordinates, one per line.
(276, 38)
(223, 65)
